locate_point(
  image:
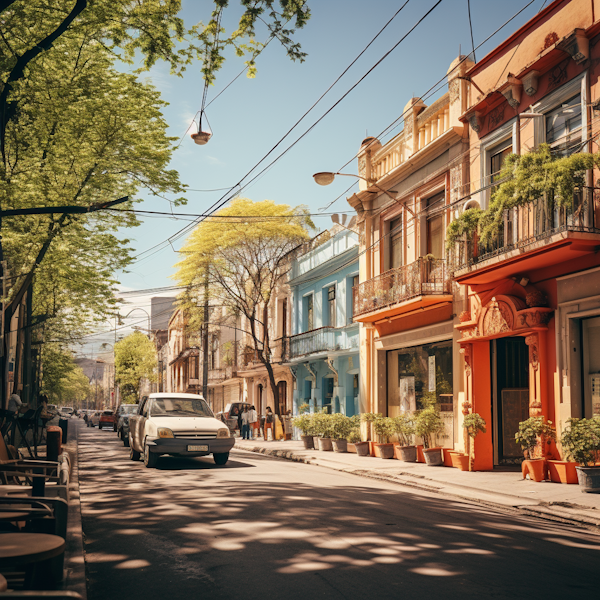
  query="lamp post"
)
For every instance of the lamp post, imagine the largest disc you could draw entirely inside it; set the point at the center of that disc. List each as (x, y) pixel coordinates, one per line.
(114, 377)
(133, 310)
(327, 177)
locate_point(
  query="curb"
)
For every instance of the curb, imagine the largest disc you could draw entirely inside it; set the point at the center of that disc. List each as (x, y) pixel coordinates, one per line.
(75, 579)
(542, 510)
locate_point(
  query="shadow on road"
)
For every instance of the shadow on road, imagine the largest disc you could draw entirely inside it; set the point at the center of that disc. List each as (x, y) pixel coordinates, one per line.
(285, 530)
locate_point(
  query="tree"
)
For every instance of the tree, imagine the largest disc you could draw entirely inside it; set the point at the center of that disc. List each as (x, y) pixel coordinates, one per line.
(245, 258)
(63, 381)
(135, 359)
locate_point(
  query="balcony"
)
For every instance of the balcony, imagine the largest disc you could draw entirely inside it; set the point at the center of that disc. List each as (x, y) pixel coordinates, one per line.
(532, 237)
(421, 284)
(324, 340)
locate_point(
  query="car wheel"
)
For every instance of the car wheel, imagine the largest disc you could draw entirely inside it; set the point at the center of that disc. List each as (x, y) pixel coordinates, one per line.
(133, 455)
(221, 458)
(150, 459)
(125, 440)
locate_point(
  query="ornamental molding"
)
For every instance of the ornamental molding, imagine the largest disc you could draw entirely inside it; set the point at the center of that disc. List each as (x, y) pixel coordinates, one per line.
(329, 362)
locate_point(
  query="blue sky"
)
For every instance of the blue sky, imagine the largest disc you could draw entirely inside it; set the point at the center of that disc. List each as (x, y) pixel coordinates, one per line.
(253, 114)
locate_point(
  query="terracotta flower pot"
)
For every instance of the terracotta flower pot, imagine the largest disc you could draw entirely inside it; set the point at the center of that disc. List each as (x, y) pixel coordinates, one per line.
(589, 479)
(420, 455)
(308, 442)
(201, 137)
(315, 442)
(362, 448)
(340, 445)
(373, 448)
(351, 448)
(536, 468)
(447, 456)
(406, 453)
(462, 462)
(325, 444)
(454, 457)
(562, 471)
(386, 450)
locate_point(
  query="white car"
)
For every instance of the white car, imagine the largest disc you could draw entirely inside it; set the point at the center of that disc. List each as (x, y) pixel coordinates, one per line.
(178, 425)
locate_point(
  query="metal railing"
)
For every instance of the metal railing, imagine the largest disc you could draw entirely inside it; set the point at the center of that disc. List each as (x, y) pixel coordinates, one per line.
(423, 277)
(324, 339)
(525, 225)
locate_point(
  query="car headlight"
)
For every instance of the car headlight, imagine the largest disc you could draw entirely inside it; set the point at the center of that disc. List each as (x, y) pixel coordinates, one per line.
(164, 432)
(223, 433)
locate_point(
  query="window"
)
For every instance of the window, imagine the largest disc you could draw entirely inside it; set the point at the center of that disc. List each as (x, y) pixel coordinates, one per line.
(351, 291)
(435, 225)
(214, 351)
(563, 126)
(396, 243)
(497, 157)
(308, 300)
(331, 306)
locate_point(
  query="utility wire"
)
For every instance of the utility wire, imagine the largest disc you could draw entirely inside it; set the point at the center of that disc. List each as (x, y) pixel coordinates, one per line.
(471, 28)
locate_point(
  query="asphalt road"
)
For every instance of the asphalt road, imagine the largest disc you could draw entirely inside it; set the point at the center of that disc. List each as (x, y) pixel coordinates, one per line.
(266, 528)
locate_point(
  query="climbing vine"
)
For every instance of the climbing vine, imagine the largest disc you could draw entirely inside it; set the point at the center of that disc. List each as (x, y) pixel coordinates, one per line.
(537, 174)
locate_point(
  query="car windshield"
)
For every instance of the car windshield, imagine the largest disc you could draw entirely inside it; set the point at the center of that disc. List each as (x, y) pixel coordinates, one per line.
(128, 409)
(108, 413)
(180, 407)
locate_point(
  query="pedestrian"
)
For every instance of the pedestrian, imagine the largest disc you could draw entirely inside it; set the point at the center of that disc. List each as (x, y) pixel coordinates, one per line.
(235, 415)
(16, 405)
(269, 421)
(246, 423)
(254, 423)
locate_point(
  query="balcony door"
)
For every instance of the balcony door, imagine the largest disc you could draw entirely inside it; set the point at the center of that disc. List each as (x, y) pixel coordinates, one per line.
(396, 244)
(435, 225)
(282, 393)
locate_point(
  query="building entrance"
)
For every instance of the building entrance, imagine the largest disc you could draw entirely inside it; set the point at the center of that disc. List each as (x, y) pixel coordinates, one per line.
(510, 369)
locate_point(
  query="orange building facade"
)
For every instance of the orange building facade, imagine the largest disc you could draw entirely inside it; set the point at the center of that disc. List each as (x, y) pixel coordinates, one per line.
(509, 329)
(530, 333)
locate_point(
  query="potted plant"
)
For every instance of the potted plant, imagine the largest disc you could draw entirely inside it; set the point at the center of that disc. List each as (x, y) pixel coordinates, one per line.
(385, 427)
(366, 427)
(341, 427)
(404, 428)
(474, 424)
(305, 424)
(531, 432)
(323, 429)
(428, 422)
(581, 443)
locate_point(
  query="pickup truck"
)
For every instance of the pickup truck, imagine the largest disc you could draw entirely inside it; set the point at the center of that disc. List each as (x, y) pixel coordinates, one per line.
(178, 425)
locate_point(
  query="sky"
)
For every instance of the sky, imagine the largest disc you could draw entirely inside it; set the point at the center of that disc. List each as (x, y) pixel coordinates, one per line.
(252, 115)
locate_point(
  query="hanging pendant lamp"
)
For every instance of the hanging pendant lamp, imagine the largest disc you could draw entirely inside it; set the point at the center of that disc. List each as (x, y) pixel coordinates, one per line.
(202, 137)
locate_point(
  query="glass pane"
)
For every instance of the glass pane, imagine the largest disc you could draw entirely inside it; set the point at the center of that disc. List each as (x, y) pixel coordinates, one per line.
(563, 126)
(396, 243)
(435, 236)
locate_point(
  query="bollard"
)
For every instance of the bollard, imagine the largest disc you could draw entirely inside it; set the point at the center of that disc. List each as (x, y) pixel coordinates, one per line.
(64, 425)
(54, 442)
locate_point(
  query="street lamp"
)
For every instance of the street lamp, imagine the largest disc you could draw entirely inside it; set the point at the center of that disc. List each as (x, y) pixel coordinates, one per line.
(143, 310)
(114, 399)
(327, 177)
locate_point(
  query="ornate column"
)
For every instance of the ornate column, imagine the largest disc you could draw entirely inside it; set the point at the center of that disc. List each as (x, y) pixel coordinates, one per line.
(535, 384)
(467, 352)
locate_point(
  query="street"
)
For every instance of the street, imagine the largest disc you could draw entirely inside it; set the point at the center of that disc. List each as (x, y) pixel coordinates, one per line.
(267, 528)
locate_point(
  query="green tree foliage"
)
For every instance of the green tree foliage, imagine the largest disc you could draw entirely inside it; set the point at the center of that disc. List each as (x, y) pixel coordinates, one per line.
(246, 258)
(135, 359)
(63, 381)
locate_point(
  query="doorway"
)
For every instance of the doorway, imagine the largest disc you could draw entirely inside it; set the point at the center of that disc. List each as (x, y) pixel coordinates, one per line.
(510, 370)
(282, 393)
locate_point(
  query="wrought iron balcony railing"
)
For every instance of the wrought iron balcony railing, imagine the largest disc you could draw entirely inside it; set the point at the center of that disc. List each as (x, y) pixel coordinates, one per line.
(525, 225)
(324, 339)
(423, 277)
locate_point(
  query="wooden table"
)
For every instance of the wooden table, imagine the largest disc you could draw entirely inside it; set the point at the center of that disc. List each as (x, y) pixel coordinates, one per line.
(15, 490)
(13, 516)
(21, 549)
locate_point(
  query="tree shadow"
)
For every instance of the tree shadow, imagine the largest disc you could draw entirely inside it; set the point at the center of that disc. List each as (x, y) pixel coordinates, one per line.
(288, 530)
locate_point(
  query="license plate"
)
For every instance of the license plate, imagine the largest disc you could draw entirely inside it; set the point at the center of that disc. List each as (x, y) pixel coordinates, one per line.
(203, 448)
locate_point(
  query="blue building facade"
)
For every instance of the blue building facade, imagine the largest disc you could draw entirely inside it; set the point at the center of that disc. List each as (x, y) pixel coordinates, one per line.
(324, 346)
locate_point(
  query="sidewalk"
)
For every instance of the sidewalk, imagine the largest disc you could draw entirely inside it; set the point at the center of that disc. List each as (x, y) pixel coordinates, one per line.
(505, 489)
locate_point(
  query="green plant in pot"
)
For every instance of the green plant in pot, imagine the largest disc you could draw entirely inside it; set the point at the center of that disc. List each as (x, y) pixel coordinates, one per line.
(532, 435)
(324, 430)
(428, 423)
(304, 422)
(404, 428)
(341, 427)
(385, 428)
(474, 424)
(581, 443)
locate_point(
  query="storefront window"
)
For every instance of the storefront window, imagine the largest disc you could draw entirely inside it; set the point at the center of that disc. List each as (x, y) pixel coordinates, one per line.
(418, 376)
(591, 366)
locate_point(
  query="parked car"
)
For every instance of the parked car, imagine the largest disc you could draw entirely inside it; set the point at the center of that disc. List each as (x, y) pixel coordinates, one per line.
(107, 419)
(225, 416)
(123, 413)
(66, 411)
(93, 418)
(178, 425)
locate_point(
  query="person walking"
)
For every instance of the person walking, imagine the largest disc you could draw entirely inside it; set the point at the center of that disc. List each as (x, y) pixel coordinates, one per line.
(235, 414)
(269, 422)
(254, 423)
(246, 423)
